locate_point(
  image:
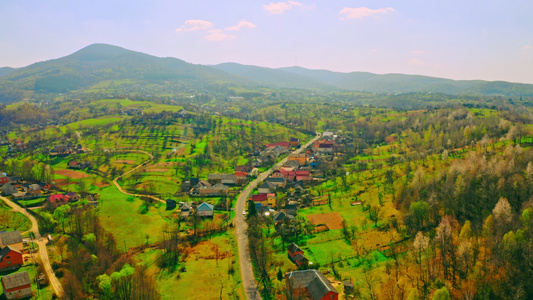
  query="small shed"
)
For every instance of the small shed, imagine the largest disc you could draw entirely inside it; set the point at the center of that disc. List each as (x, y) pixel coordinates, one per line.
(348, 287)
(171, 204)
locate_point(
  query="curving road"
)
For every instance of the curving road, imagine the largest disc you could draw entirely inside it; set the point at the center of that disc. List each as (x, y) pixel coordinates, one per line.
(115, 181)
(247, 272)
(41, 241)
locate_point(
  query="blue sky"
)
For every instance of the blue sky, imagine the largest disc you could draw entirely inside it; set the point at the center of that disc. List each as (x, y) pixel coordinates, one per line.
(490, 39)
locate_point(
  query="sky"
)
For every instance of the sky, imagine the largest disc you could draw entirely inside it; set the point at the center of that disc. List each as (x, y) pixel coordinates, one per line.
(456, 39)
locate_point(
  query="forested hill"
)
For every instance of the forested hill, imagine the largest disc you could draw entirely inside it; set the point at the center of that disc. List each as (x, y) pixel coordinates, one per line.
(298, 77)
(102, 69)
(116, 69)
(401, 83)
(6, 70)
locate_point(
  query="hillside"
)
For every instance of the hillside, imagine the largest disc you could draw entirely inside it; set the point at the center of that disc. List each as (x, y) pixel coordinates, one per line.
(6, 70)
(99, 63)
(105, 70)
(401, 83)
(274, 77)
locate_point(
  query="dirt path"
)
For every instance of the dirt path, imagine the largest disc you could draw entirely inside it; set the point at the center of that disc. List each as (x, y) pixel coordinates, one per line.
(41, 241)
(115, 181)
(247, 273)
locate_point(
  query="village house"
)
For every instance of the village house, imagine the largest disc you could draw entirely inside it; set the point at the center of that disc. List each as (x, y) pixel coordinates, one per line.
(59, 199)
(227, 179)
(309, 284)
(300, 260)
(187, 185)
(34, 190)
(74, 164)
(3, 178)
(303, 175)
(301, 158)
(9, 189)
(44, 186)
(14, 179)
(242, 177)
(268, 199)
(324, 146)
(257, 162)
(185, 210)
(291, 209)
(21, 195)
(17, 286)
(279, 182)
(281, 217)
(266, 188)
(284, 145)
(294, 142)
(72, 197)
(218, 189)
(12, 239)
(294, 164)
(287, 175)
(292, 250)
(247, 169)
(10, 258)
(205, 210)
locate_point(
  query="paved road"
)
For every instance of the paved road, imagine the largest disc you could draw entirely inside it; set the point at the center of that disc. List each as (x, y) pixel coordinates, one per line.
(247, 273)
(115, 181)
(41, 241)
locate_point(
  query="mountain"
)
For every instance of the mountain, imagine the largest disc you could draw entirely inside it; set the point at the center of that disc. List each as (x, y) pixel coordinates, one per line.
(6, 70)
(274, 77)
(117, 69)
(100, 70)
(401, 83)
(298, 77)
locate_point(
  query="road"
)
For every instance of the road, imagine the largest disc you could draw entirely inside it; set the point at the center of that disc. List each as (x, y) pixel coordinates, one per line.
(247, 273)
(115, 181)
(41, 241)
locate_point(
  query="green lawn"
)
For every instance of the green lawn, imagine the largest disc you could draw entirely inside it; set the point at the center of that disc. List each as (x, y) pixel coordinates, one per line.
(10, 220)
(120, 214)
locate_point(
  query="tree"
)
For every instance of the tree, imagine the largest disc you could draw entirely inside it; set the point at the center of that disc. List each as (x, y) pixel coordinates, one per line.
(442, 294)
(252, 211)
(374, 214)
(389, 179)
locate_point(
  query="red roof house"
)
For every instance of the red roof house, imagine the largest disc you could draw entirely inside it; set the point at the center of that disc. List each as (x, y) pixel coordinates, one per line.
(58, 198)
(10, 258)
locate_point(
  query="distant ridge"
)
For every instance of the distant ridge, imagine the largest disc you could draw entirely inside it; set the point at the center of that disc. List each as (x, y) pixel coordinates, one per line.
(6, 70)
(106, 69)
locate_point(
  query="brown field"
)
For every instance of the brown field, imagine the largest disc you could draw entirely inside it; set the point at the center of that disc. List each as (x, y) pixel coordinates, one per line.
(156, 170)
(101, 184)
(332, 220)
(72, 174)
(125, 161)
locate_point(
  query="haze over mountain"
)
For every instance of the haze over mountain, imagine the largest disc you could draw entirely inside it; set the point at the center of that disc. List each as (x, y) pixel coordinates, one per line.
(6, 70)
(115, 70)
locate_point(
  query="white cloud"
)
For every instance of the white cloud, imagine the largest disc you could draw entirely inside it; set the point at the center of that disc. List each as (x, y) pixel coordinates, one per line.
(280, 7)
(526, 49)
(362, 12)
(242, 24)
(217, 35)
(193, 25)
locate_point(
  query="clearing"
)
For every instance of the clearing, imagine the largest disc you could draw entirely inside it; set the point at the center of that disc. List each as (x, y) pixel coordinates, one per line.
(332, 220)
